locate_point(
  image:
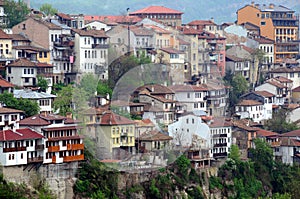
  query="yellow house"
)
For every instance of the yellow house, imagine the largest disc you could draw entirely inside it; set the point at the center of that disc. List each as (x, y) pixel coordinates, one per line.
(115, 136)
(275, 22)
(5, 45)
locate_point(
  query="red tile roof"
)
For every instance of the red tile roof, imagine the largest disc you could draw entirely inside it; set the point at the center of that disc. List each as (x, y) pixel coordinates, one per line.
(265, 133)
(91, 33)
(155, 10)
(201, 22)
(154, 89)
(171, 51)
(3, 35)
(285, 70)
(19, 134)
(64, 16)
(249, 103)
(157, 29)
(283, 79)
(297, 89)
(264, 40)
(34, 121)
(276, 84)
(142, 31)
(9, 110)
(18, 37)
(295, 133)
(4, 83)
(264, 93)
(188, 88)
(285, 141)
(110, 119)
(219, 122)
(23, 62)
(154, 136)
(113, 19)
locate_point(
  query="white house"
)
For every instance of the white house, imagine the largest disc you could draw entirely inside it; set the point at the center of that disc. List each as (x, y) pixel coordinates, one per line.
(43, 99)
(187, 128)
(97, 25)
(221, 136)
(276, 88)
(193, 96)
(251, 109)
(9, 117)
(20, 146)
(91, 48)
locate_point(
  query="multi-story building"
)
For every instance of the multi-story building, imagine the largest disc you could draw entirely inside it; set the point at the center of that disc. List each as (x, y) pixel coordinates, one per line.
(9, 117)
(115, 136)
(192, 96)
(5, 86)
(62, 143)
(250, 109)
(91, 47)
(291, 73)
(277, 23)
(20, 147)
(5, 48)
(166, 15)
(23, 72)
(221, 140)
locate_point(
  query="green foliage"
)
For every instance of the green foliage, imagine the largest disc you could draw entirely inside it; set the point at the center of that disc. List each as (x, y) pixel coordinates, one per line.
(58, 87)
(215, 182)
(95, 179)
(183, 164)
(103, 88)
(70, 99)
(154, 191)
(42, 83)
(48, 9)
(195, 193)
(29, 107)
(278, 122)
(234, 153)
(16, 12)
(89, 84)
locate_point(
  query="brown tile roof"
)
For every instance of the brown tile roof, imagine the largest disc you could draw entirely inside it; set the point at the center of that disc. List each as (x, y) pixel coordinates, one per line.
(171, 51)
(113, 20)
(23, 62)
(154, 136)
(285, 141)
(18, 37)
(156, 10)
(46, 23)
(265, 133)
(64, 16)
(159, 98)
(285, 70)
(220, 122)
(264, 93)
(234, 58)
(189, 31)
(145, 122)
(4, 83)
(187, 88)
(52, 117)
(201, 22)
(183, 42)
(155, 89)
(157, 29)
(248, 49)
(31, 48)
(245, 124)
(297, 89)
(110, 118)
(295, 133)
(3, 35)
(91, 33)
(283, 79)
(276, 84)
(9, 110)
(34, 121)
(249, 103)
(263, 40)
(142, 31)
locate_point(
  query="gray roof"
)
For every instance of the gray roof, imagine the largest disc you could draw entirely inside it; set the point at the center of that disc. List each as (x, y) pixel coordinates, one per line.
(275, 8)
(29, 94)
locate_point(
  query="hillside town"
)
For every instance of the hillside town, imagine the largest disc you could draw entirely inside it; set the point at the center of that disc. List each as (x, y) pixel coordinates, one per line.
(207, 87)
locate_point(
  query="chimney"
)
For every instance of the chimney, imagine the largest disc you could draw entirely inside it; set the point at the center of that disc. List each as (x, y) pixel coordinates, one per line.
(271, 5)
(252, 3)
(212, 19)
(69, 115)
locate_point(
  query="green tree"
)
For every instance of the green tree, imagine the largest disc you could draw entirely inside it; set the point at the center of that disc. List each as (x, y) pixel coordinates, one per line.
(42, 83)
(89, 84)
(29, 107)
(16, 12)
(278, 122)
(48, 9)
(103, 88)
(234, 153)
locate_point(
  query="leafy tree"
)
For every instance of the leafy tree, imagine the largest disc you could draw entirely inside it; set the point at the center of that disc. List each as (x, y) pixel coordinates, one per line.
(278, 122)
(103, 89)
(16, 12)
(48, 10)
(42, 83)
(29, 107)
(89, 84)
(234, 153)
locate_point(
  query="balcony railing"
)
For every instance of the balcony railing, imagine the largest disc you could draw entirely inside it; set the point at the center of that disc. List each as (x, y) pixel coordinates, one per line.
(100, 45)
(73, 158)
(35, 159)
(75, 147)
(220, 154)
(5, 150)
(220, 144)
(39, 147)
(53, 148)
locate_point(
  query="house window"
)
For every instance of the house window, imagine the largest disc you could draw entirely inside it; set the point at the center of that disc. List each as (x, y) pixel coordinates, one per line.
(25, 71)
(26, 80)
(21, 155)
(45, 54)
(263, 23)
(291, 75)
(40, 54)
(188, 95)
(9, 70)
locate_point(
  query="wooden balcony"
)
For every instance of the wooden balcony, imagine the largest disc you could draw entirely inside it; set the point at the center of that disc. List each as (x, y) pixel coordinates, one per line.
(54, 159)
(22, 148)
(53, 148)
(75, 147)
(74, 158)
(35, 160)
(39, 147)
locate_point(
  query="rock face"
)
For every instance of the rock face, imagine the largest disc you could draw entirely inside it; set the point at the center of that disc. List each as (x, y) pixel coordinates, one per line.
(59, 177)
